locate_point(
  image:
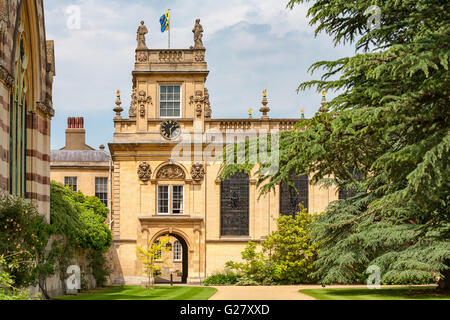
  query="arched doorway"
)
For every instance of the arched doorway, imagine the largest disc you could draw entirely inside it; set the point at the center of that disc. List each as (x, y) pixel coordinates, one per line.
(175, 260)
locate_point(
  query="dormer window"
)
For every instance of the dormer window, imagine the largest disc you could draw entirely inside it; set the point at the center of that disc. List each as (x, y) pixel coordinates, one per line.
(170, 101)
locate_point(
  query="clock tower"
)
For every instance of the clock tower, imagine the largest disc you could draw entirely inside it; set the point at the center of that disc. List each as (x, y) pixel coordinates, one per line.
(161, 186)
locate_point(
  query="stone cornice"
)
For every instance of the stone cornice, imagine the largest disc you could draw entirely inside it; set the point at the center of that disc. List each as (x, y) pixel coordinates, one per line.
(45, 108)
(174, 219)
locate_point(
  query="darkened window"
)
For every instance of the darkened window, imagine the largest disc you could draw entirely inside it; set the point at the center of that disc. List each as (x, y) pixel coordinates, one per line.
(101, 190)
(290, 198)
(234, 206)
(71, 182)
(346, 193)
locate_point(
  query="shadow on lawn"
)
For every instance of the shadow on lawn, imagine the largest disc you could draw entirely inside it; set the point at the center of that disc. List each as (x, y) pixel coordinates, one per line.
(139, 293)
(380, 294)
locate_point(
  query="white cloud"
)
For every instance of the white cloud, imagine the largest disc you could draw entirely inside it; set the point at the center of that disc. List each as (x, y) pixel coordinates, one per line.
(251, 45)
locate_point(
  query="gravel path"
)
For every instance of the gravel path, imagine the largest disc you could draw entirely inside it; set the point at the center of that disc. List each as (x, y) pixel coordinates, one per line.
(260, 293)
(274, 292)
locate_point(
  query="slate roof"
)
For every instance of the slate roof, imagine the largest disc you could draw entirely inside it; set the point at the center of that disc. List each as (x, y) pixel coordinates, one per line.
(80, 156)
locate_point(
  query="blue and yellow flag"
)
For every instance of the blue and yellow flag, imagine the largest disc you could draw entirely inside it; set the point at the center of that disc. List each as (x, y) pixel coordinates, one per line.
(164, 20)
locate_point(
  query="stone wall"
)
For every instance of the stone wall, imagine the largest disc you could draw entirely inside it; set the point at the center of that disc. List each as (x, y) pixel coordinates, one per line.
(56, 284)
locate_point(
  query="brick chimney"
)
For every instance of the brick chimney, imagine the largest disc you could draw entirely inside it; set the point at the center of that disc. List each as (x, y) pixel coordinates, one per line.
(76, 135)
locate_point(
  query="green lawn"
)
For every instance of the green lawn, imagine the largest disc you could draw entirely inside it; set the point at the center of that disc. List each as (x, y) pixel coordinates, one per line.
(139, 293)
(407, 293)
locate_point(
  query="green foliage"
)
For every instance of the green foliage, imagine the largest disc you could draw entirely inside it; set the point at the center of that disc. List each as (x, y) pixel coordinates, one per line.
(286, 256)
(23, 238)
(225, 278)
(81, 219)
(292, 248)
(152, 258)
(7, 289)
(28, 256)
(391, 123)
(98, 264)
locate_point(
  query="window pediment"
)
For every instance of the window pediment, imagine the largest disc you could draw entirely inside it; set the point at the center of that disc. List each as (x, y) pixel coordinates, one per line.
(171, 172)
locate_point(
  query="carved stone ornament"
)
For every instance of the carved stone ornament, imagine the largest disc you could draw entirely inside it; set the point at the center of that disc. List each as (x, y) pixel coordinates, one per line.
(171, 172)
(143, 99)
(198, 110)
(200, 56)
(199, 100)
(198, 35)
(208, 109)
(140, 37)
(132, 112)
(6, 77)
(144, 171)
(142, 57)
(47, 109)
(198, 172)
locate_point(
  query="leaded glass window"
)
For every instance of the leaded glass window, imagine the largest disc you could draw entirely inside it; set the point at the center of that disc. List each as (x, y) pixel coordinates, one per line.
(177, 199)
(18, 118)
(170, 199)
(234, 206)
(170, 101)
(101, 189)
(163, 199)
(291, 198)
(158, 255)
(177, 252)
(71, 182)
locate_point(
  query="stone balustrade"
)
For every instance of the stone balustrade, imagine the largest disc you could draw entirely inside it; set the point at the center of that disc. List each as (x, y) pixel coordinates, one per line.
(147, 58)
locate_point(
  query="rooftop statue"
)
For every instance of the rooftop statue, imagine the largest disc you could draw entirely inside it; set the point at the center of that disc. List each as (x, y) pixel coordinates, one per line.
(141, 32)
(198, 35)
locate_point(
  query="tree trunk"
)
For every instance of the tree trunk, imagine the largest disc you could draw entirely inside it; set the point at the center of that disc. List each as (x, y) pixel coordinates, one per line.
(444, 282)
(43, 289)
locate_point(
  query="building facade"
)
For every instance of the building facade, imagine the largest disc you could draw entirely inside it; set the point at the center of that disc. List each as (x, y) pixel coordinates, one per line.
(167, 156)
(80, 166)
(27, 68)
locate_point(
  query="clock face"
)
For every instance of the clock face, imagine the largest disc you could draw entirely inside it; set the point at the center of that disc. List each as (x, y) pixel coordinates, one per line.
(170, 129)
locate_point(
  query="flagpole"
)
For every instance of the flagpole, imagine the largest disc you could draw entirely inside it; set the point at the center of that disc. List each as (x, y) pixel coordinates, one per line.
(170, 26)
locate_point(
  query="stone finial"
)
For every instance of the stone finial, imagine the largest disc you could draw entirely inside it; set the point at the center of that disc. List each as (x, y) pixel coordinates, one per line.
(102, 147)
(140, 38)
(118, 109)
(198, 35)
(324, 107)
(265, 109)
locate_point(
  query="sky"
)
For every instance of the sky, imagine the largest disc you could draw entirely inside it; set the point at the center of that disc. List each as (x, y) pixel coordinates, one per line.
(251, 45)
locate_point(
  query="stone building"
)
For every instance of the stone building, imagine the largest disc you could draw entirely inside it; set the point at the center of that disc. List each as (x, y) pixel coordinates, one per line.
(27, 68)
(80, 166)
(167, 165)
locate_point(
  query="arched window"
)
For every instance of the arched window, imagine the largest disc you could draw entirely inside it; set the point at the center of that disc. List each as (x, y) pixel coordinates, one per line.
(177, 252)
(234, 206)
(18, 116)
(290, 198)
